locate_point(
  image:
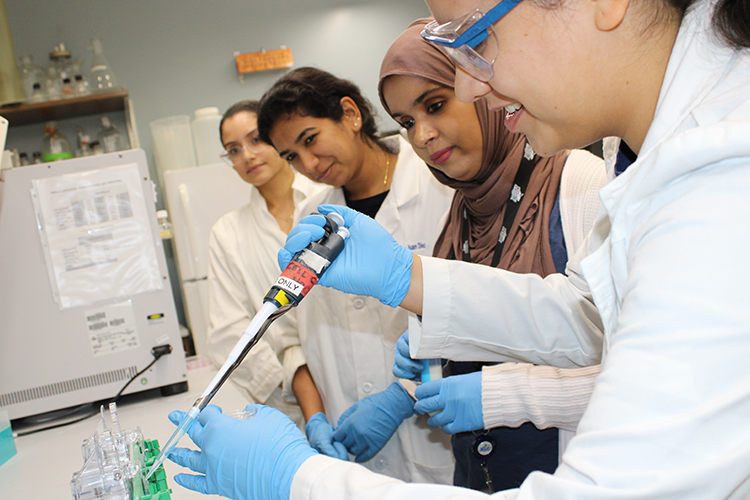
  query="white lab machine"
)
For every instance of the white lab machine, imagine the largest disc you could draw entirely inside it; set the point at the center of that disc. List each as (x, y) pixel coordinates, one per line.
(85, 292)
(196, 198)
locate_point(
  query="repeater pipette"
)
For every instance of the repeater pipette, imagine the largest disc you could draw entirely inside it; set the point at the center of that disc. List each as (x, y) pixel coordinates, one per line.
(299, 276)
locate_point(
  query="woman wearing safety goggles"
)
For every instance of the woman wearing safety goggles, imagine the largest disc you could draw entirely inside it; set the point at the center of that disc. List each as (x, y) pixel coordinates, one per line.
(658, 295)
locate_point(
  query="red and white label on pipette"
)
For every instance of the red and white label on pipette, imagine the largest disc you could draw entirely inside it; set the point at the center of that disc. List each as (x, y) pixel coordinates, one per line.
(296, 279)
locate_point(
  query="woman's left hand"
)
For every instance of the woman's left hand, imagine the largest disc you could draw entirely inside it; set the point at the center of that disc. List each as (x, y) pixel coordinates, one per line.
(457, 399)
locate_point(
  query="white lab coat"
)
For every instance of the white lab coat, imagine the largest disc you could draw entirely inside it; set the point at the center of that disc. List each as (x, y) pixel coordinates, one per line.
(670, 413)
(242, 267)
(349, 341)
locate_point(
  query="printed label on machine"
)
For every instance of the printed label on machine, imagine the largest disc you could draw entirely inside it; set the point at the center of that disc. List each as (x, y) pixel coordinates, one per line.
(296, 279)
(112, 328)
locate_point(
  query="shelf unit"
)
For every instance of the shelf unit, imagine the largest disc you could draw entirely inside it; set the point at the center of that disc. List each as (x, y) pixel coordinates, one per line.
(117, 101)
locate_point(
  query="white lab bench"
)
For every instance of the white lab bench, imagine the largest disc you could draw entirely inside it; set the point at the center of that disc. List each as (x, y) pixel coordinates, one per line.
(45, 461)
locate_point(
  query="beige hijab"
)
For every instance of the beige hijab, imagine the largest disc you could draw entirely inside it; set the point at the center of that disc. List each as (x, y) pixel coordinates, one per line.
(527, 247)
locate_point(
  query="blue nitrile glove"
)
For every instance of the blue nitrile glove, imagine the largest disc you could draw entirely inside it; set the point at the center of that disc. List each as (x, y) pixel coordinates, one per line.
(253, 459)
(370, 422)
(371, 264)
(403, 365)
(320, 436)
(460, 399)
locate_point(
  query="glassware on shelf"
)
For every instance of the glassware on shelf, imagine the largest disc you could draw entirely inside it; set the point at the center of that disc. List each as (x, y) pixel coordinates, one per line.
(102, 78)
(30, 75)
(109, 137)
(52, 85)
(67, 88)
(81, 86)
(84, 144)
(37, 94)
(61, 60)
(96, 148)
(55, 145)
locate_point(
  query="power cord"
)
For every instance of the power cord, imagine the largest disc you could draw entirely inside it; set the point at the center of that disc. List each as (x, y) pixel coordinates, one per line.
(157, 352)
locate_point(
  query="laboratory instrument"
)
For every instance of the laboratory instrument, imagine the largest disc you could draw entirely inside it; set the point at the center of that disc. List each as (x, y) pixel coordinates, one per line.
(295, 281)
(115, 462)
(78, 364)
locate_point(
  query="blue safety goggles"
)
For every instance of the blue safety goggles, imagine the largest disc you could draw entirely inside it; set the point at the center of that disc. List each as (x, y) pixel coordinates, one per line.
(470, 40)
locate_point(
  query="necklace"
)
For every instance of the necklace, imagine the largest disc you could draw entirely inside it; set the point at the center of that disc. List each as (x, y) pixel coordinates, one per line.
(387, 168)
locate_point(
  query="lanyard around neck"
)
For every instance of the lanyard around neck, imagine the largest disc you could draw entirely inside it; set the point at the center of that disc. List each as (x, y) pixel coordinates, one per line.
(520, 183)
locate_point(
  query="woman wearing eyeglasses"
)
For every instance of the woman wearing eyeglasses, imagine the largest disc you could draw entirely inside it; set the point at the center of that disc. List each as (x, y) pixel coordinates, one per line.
(242, 264)
(660, 295)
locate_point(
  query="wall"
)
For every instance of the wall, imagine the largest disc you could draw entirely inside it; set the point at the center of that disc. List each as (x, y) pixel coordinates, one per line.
(175, 56)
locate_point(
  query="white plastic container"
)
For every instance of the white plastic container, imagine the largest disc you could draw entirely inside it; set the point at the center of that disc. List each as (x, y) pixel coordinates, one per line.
(206, 135)
(173, 144)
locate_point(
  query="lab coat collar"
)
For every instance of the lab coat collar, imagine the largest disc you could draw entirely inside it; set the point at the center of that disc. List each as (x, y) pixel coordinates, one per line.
(404, 187)
(680, 137)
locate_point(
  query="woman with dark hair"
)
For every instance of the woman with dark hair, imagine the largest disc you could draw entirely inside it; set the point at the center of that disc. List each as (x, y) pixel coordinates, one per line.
(242, 250)
(501, 188)
(325, 128)
(658, 296)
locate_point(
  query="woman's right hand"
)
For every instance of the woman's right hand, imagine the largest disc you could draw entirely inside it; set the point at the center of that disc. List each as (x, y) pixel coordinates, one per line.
(403, 365)
(371, 264)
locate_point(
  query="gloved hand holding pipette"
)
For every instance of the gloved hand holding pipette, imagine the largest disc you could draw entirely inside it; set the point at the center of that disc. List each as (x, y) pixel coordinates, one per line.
(372, 263)
(300, 274)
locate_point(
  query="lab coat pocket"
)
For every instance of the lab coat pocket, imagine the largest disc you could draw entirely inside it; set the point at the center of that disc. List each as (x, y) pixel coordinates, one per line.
(428, 451)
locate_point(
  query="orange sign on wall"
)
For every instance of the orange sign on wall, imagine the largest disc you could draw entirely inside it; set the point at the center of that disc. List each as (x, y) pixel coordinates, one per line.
(264, 60)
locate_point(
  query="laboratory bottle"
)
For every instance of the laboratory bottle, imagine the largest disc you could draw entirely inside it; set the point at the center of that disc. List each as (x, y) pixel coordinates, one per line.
(96, 148)
(165, 227)
(55, 145)
(30, 75)
(60, 57)
(109, 137)
(84, 144)
(52, 84)
(206, 136)
(81, 86)
(102, 78)
(37, 157)
(67, 88)
(23, 159)
(37, 95)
